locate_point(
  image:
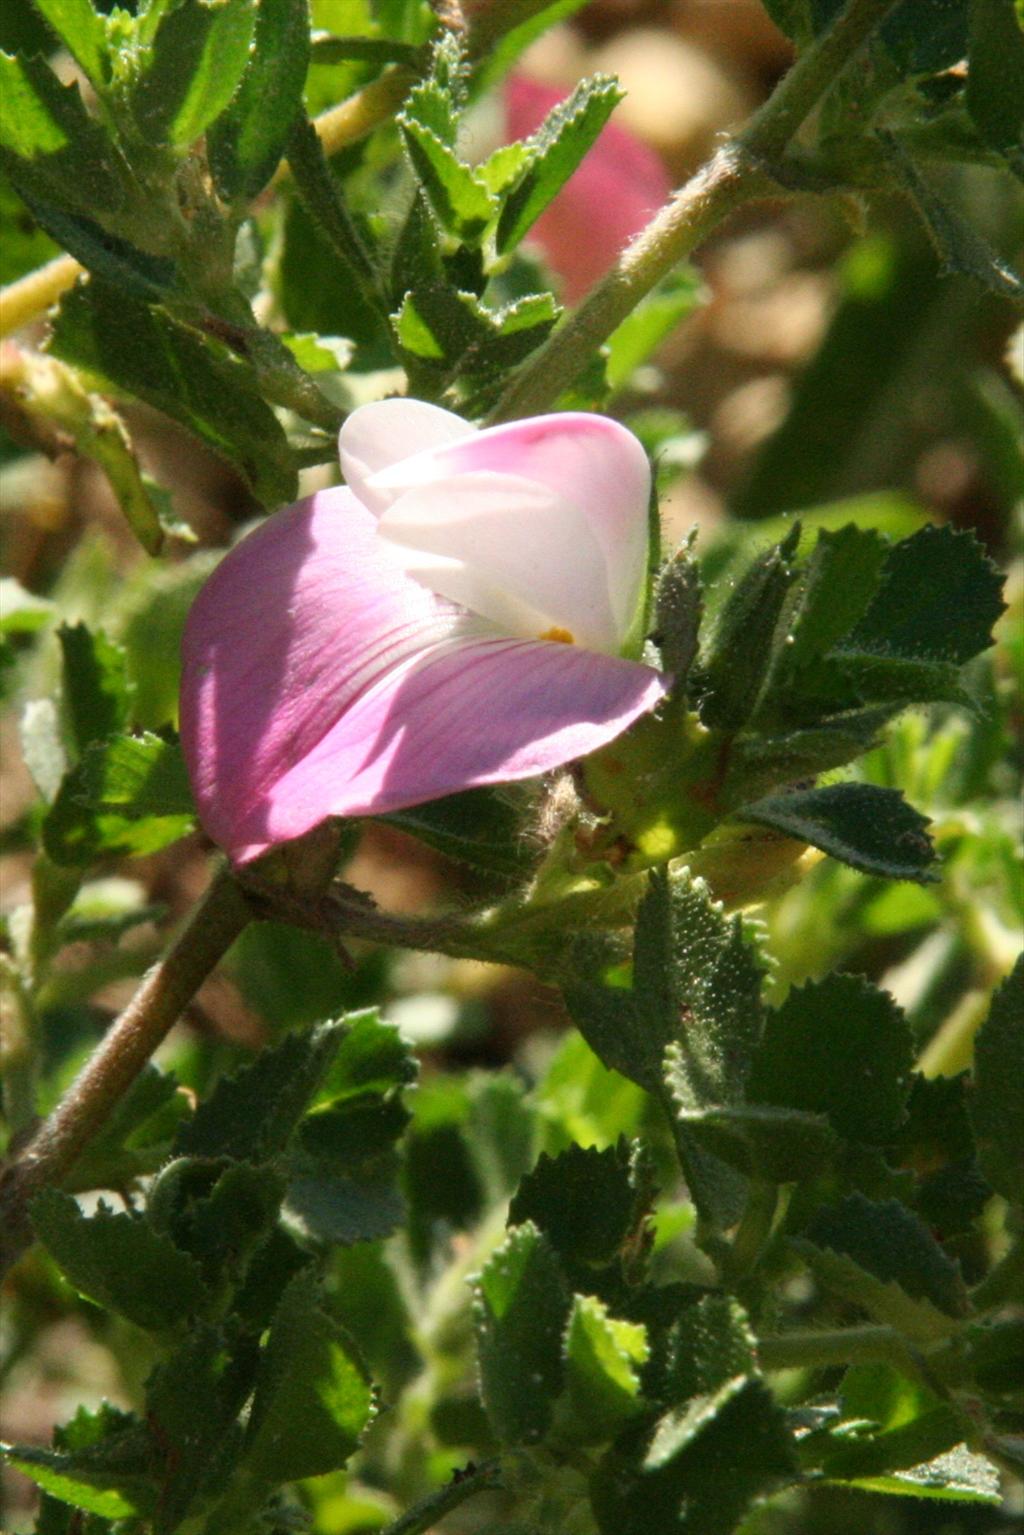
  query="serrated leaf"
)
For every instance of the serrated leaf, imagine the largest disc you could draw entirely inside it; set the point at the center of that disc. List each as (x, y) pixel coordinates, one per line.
(96, 693)
(776, 1145)
(119, 1262)
(880, 1256)
(995, 77)
(837, 584)
(128, 796)
(557, 147)
(313, 1398)
(457, 193)
(521, 1310)
(253, 1114)
(839, 1047)
(709, 1345)
(870, 828)
(322, 198)
(143, 775)
(602, 1382)
(449, 329)
(960, 248)
(761, 762)
(138, 1130)
(246, 142)
(192, 68)
(997, 1101)
(584, 1201)
(132, 348)
(106, 1474)
(480, 827)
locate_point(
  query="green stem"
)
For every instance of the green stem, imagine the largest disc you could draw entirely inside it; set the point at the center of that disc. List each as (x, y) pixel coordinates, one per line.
(466, 1484)
(736, 174)
(60, 1140)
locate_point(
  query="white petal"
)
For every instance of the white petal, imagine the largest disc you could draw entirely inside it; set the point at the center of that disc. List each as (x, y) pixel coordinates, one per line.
(510, 550)
(376, 436)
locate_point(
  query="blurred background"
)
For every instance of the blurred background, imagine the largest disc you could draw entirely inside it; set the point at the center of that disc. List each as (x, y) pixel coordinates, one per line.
(824, 366)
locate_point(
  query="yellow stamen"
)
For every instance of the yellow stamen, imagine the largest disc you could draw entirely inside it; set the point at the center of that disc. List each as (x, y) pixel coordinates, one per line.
(560, 636)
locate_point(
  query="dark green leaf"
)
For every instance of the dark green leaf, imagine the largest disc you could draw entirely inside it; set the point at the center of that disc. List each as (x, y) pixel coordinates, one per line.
(557, 147)
(99, 1464)
(253, 1114)
(870, 828)
(137, 350)
(119, 1261)
(137, 1132)
(521, 1310)
(700, 1469)
(958, 1476)
(322, 198)
(362, 1206)
(709, 1345)
(96, 693)
(836, 586)
(879, 1255)
(958, 244)
(739, 654)
(760, 762)
(197, 57)
(997, 1101)
(839, 1047)
(313, 1399)
(776, 1145)
(219, 1212)
(481, 827)
(583, 1200)
(457, 193)
(137, 272)
(247, 141)
(995, 79)
(678, 605)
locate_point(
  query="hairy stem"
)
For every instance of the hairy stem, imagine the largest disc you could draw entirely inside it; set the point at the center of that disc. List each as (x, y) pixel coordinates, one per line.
(738, 173)
(813, 1349)
(60, 1140)
(464, 1484)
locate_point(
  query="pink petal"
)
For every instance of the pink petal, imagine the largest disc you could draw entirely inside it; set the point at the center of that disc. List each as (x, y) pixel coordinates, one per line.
(619, 186)
(321, 680)
(590, 462)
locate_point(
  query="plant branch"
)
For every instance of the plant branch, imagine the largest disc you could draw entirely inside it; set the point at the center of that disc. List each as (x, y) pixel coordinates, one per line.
(814, 1349)
(60, 1140)
(464, 1484)
(738, 173)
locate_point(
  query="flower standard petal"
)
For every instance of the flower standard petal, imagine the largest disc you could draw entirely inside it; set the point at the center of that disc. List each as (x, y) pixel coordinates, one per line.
(376, 436)
(321, 680)
(587, 461)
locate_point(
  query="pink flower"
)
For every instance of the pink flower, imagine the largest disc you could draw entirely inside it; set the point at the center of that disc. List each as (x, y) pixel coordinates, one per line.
(619, 186)
(381, 645)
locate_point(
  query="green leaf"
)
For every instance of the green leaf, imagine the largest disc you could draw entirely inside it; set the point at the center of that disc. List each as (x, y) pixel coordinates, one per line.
(246, 142)
(119, 1262)
(997, 1099)
(760, 762)
(137, 1134)
(700, 1468)
(870, 828)
(114, 260)
(777, 1145)
(736, 661)
(193, 1400)
(50, 145)
(449, 329)
(602, 1382)
(313, 1398)
(960, 248)
(879, 1255)
(995, 78)
(99, 1464)
(142, 775)
(709, 1345)
(480, 827)
(457, 193)
(557, 146)
(521, 1310)
(585, 1202)
(654, 318)
(678, 605)
(958, 1476)
(82, 32)
(134, 349)
(254, 1113)
(197, 57)
(836, 587)
(96, 694)
(838, 1047)
(322, 198)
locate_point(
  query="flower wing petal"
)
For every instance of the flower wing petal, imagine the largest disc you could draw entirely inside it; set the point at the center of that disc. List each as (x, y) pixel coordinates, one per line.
(590, 461)
(298, 620)
(377, 435)
(510, 550)
(469, 712)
